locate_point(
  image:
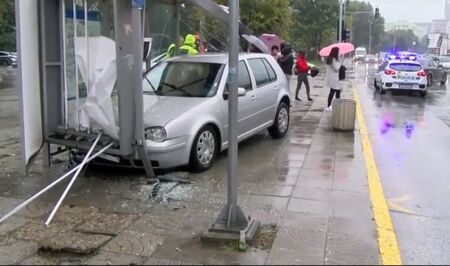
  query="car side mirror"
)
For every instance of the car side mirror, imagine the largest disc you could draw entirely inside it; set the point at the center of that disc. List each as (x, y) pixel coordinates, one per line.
(241, 93)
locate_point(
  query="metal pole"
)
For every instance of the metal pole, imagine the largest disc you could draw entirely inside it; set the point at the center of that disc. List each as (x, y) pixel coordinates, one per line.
(63, 196)
(232, 223)
(233, 105)
(28, 201)
(86, 34)
(77, 85)
(370, 36)
(340, 20)
(64, 46)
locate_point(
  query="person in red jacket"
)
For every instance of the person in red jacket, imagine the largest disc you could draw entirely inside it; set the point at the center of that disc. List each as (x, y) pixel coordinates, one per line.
(302, 69)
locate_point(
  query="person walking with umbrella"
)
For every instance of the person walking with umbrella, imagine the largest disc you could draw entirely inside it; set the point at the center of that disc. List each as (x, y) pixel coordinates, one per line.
(333, 67)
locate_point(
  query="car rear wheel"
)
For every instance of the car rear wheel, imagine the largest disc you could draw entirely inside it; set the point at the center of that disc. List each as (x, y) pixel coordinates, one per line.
(444, 80)
(281, 124)
(204, 149)
(382, 91)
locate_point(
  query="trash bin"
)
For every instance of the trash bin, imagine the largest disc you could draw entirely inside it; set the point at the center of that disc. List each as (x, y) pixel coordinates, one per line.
(344, 115)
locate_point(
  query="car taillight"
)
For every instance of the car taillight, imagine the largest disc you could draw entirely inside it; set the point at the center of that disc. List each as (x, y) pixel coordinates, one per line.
(389, 72)
(421, 74)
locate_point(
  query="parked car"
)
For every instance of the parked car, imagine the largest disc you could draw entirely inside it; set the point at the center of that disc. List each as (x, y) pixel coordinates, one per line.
(444, 61)
(186, 106)
(8, 59)
(435, 72)
(401, 75)
(371, 59)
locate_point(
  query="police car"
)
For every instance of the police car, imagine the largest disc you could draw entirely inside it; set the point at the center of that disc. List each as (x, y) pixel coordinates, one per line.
(401, 74)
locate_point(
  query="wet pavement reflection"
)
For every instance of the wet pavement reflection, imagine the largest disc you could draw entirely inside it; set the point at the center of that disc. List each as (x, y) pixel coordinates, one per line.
(411, 140)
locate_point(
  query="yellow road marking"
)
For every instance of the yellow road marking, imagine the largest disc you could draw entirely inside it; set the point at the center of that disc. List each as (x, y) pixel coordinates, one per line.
(387, 240)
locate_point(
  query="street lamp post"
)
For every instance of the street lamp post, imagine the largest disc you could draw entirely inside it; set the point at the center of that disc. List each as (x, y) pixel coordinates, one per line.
(341, 10)
(232, 223)
(370, 35)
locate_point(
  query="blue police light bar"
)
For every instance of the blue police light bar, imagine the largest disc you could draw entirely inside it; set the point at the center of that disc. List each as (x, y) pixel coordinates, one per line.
(139, 4)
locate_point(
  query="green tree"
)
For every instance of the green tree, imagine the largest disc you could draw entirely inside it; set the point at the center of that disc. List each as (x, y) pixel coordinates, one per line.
(359, 25)
(7, 26)
(314, 24)
(265, 16)
(400, 40)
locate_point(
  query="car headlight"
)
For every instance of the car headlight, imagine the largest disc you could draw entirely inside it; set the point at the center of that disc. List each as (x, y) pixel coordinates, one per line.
(156, 134)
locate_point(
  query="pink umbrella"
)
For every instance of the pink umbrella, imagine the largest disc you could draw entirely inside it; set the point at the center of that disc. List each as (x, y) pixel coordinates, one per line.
(270, 40)
(344, 48)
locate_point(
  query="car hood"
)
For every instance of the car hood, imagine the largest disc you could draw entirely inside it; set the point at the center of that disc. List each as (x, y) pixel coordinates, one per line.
(160, 110)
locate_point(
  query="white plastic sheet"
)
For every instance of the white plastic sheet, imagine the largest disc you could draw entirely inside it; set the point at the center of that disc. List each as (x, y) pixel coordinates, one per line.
(29, 78)
(96, 61)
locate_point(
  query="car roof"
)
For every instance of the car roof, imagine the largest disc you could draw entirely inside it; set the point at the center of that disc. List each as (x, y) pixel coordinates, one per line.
(215, 58)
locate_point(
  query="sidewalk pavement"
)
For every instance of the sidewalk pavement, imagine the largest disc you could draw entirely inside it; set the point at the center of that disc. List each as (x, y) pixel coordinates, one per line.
(311, 185)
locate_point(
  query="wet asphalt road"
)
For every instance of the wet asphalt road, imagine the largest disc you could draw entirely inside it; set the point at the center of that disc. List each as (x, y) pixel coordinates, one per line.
(411, 141)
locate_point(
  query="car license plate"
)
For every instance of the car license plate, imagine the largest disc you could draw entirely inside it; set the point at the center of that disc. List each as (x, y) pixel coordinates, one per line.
(403, 86)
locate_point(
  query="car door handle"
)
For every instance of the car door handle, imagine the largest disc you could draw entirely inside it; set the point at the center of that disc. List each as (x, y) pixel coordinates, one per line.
(253, 98)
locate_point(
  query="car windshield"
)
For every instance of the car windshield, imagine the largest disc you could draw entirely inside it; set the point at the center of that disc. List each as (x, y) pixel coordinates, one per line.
(407, 67)
(183, 79)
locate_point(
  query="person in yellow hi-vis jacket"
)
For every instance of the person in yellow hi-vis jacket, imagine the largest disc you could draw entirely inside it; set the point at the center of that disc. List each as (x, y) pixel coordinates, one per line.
(189, 47)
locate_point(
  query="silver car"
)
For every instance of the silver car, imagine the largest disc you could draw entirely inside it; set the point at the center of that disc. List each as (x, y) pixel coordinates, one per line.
(186, 107)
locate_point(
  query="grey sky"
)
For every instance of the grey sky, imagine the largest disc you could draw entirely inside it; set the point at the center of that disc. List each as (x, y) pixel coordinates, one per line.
(411, 10)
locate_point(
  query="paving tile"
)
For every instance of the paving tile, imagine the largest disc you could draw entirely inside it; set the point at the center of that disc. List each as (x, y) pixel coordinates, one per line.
(347, 204)
(191, 250)
(306, 221)
(37, 231)
(75, 242)
(351, 242)
(134, 243)
(107, 224)
(110, 258)
(12, 224)
(313, 173)
(40, 260)
(298, 246)
(75, 215)
(156, 224)
(280, 191)
(310, 193)
(310, 206)
(272, 179)
(314, 182)
(14, 251)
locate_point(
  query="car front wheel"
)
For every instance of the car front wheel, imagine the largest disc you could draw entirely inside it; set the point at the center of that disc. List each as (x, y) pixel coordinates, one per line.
(204, 149)
(423, 93)
(281, 124)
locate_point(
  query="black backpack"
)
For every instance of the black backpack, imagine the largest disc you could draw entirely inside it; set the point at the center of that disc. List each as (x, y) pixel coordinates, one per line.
(342, 72)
